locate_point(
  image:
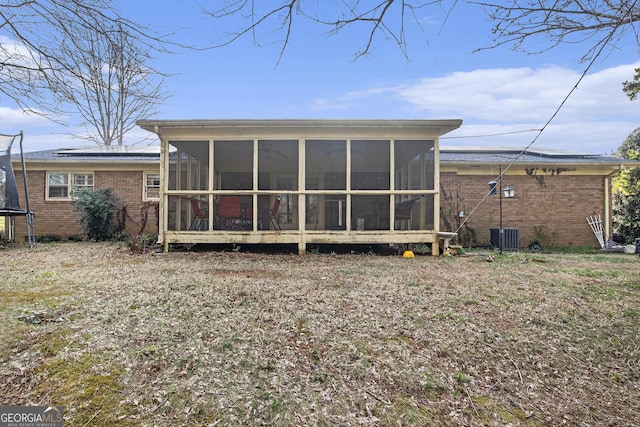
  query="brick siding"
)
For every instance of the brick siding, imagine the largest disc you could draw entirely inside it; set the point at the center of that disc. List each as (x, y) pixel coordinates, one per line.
(555, 206)
(60, 218)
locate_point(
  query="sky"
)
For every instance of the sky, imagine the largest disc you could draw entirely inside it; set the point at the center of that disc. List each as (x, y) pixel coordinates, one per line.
(503, 97)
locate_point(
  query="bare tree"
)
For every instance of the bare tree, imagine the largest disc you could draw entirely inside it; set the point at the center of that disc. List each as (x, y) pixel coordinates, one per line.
(112, 85)
(385, 19)
(46, 49)
(592, 23)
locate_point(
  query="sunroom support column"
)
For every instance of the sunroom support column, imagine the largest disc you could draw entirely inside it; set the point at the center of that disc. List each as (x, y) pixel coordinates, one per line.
(392, 184)
(348, 187)
(164, 198)
(302, 190)
(254, 186)
(435, 247)
(211, 187)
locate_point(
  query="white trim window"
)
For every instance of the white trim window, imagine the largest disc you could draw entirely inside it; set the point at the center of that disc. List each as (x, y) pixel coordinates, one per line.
(60, 185)
(151, 186)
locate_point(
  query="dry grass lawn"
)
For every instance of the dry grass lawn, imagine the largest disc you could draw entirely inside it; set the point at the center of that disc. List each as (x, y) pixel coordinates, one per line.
(226, 338)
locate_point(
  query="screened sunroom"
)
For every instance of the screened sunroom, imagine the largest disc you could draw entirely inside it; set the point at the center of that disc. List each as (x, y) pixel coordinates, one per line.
(300, 181)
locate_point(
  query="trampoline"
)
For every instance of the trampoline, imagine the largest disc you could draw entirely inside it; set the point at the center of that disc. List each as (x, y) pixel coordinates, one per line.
(9, 200)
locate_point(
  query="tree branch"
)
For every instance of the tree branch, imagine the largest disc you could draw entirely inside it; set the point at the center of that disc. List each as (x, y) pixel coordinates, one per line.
(517, 23)
(380, 18)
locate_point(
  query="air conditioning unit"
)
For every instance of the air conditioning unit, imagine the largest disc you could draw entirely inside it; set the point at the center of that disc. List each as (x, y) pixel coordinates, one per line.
(510, 236)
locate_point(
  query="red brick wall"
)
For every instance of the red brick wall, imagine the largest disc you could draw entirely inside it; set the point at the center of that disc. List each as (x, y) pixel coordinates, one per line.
(557, 205)
(60, 218)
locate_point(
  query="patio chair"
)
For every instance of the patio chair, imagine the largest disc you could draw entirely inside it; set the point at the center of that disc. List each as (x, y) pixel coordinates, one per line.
(200, 218)
(230, 212)
(247, 218)
(273, 215)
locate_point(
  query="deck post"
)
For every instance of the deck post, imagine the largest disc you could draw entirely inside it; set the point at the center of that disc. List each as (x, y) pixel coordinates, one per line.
(435, 248)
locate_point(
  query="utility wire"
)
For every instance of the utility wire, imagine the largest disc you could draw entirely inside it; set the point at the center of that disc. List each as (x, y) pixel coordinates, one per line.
(605, 42)
(491, 134)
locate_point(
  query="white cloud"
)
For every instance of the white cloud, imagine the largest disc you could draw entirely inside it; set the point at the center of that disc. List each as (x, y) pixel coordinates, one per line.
(39, 132)
(578, 136)
(600, 96)
(43, 134)
(482, 94)
(597, 116)
(14, 52)
(508, 95)
(49, 141)
(12, 120)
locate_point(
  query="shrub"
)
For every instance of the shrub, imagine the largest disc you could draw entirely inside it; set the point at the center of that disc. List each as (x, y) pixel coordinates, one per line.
(467, 236)
(144, 243)
(48, 238)
(543, 239)
(4, 239)
(97, 210)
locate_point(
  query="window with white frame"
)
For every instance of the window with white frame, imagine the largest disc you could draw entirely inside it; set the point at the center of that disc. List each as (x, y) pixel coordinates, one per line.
(61, 185)
(151, 186)
(82, 181)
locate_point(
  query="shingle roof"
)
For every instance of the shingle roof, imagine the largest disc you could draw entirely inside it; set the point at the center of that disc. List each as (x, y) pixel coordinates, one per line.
(487, 155)
(471, 155)
(95, 154)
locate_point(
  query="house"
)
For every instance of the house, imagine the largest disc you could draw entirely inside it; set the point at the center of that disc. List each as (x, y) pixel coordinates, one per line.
(308, 182)
(555, 191)
(52, 175)
(300, 182)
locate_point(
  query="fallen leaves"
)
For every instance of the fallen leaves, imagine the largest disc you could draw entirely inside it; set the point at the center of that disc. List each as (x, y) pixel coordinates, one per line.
(253, 338)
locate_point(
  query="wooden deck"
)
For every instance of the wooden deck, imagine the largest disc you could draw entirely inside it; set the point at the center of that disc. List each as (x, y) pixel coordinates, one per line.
(437, 240)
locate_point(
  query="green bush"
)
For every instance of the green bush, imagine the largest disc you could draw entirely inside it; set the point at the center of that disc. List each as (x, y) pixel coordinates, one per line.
(97, 210)
(626, 191)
